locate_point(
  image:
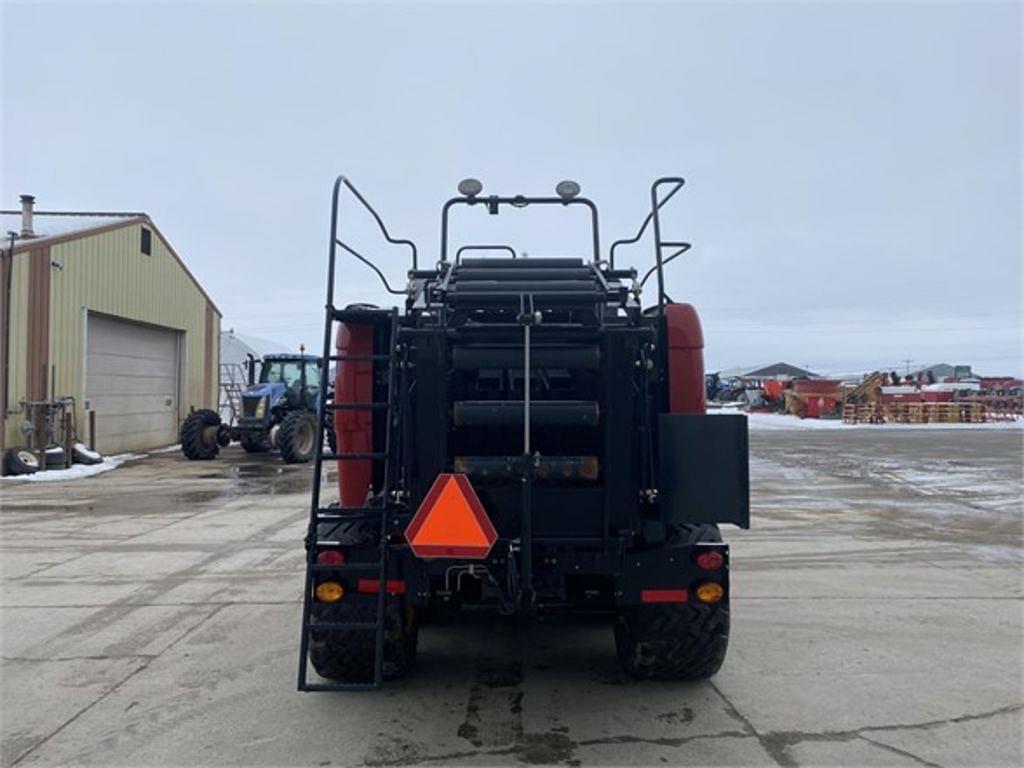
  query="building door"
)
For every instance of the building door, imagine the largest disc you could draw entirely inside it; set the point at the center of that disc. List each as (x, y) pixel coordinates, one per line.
(132, 381)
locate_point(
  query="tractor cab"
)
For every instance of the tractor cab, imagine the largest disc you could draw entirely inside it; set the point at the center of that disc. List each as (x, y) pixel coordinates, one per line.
(290, 380)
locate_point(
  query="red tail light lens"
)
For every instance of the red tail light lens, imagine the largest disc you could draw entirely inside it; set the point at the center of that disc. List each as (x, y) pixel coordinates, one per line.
(711, 560)
(330, 557)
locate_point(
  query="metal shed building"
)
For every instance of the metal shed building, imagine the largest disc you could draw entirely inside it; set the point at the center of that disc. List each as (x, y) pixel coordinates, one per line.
(99, 307)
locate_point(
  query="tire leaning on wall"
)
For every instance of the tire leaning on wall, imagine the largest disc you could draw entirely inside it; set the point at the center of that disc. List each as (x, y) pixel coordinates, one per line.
(19, 461)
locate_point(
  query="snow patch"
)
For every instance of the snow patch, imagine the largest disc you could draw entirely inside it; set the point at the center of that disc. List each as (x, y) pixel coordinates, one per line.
(168, 449)
(767, 422)
(76, 471)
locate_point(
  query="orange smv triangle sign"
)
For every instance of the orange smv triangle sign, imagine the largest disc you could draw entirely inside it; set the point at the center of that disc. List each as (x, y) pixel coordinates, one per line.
(451, 522)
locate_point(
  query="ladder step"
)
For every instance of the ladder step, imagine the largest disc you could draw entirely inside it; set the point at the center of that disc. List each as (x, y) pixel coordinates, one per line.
(361, 314)
(357, 406)
(332, 514)
(331, 687)
(352, 456)
(359, 358)
(341, 626)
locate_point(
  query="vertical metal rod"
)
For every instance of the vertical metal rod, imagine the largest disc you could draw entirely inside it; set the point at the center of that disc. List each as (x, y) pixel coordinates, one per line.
(68, 447)
(8, 276)
(311, 533)
(657, 248)
(92, 430)
(526, 528)
(382, 577)
(526, 389)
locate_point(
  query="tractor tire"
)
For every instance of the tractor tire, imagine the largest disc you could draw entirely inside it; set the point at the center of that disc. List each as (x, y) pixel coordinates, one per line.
(332, 436)
(83, 454)
(297, 437)
(56, 457)
(673, 641)
(348, 656)
(19, 461)
(199, 435)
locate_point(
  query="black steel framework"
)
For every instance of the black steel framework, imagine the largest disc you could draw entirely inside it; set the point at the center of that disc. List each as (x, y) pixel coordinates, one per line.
(525, 317)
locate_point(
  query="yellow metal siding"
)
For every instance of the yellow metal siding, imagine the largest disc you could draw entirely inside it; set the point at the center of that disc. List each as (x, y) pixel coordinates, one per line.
(19, 344)
(108, 273)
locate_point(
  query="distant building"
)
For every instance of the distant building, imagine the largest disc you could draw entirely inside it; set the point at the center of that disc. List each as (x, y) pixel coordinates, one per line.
(235, 348)
(102, 309)
(941, 371)
(774, 371)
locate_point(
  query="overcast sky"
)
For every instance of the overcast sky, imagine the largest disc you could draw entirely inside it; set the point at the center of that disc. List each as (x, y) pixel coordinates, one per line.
(854, 170)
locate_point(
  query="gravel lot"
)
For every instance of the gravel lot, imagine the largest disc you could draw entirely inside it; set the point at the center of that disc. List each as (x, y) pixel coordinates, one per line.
(150, 617)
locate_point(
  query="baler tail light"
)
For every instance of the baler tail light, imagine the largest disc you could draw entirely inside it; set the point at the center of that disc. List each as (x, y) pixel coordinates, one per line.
(711, 560)
(710, 592)
(329, 592)
(330, 557)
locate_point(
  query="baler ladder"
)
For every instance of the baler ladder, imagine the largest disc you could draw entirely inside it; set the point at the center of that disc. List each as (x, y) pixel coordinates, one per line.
(337, 516)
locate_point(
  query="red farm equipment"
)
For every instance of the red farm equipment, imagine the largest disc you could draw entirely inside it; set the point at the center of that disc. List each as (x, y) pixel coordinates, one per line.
(523, 433)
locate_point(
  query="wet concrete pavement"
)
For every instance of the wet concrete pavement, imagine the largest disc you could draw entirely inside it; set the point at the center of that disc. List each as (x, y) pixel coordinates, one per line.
(150, 617)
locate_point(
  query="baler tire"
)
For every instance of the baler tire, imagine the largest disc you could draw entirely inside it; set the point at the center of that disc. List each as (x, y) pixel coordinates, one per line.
(332, 436)
(254, 444)
(193, 444)
(688, 534)
(672, 641)
(348, 656)
(293, 434)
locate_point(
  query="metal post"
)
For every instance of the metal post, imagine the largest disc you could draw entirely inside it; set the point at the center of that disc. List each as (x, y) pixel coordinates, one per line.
(92, 430)
(657, 248)
(526, 389)
(68, 458)
(526, 528)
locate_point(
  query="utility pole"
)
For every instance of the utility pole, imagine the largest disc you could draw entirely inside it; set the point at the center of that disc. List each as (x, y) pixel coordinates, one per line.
(908, 361)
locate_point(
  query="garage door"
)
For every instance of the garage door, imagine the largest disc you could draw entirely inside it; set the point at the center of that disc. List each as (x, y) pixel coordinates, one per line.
(131, 381)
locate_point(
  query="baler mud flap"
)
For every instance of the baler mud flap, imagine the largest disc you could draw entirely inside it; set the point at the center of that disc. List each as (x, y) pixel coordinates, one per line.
(671, 574)
(704, 472)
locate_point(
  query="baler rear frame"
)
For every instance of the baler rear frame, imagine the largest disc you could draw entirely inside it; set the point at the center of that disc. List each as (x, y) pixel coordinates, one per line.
(432, 312)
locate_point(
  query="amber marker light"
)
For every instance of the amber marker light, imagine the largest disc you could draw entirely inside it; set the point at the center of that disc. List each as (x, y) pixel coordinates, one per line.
(709, 592)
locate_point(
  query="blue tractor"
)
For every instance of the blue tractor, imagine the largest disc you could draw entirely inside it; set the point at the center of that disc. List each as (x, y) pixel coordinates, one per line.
(279, 411)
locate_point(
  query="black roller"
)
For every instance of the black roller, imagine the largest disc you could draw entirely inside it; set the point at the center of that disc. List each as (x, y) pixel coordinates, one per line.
(524, 286)
(546, 262)
(509, 467)
(509, 296)
(464, 274)
(582, 357)
(491, 413)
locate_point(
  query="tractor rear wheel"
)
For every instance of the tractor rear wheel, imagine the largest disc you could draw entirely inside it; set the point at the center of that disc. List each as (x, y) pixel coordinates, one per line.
(675, 641)
(348, 656)
(297, 437)
(199, 435)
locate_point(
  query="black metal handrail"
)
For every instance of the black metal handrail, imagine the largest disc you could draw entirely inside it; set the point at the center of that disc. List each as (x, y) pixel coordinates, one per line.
(657, 203)
(684, 247)
(493, 202)
(475, 247)
(371, 265)
(643, 227)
